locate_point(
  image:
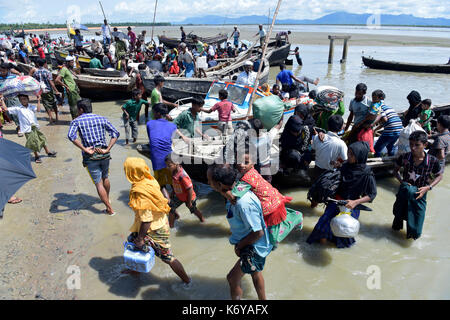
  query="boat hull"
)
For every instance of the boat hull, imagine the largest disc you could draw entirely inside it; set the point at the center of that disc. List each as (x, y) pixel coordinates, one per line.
(173, 43)
(279, 55)
(180, 88)
(399, 66)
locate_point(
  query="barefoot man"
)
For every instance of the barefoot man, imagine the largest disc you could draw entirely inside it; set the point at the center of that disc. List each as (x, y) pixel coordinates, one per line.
(92, 129)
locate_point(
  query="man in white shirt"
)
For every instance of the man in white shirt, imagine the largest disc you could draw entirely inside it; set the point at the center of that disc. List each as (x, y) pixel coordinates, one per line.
(106, 33)
(248, 76)
(187, 59)
(262, 35)
(331, 152)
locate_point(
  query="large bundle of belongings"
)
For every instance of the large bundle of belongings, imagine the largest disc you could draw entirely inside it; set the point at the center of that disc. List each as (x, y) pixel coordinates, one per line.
(269, 110)
(20, 85)
(328, 98)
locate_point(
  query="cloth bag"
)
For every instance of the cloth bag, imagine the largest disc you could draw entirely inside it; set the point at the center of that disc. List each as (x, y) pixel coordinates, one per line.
(20, 85)
(403, 140)
(344, 225)
(269, 110)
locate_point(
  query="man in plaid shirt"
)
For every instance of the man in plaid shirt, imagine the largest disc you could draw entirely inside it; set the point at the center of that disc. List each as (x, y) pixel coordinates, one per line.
(92, 129)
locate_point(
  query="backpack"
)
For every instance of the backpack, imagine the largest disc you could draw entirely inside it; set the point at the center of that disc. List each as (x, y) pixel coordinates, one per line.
(325, 186)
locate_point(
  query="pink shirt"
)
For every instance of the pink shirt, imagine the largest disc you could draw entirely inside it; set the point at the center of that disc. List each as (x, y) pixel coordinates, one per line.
(224, 107)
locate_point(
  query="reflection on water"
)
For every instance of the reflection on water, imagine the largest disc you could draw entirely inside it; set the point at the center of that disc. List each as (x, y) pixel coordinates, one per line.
(295, 270)
(396, 85)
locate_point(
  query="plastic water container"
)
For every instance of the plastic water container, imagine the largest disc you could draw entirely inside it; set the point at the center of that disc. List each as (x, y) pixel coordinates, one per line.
(138, 260)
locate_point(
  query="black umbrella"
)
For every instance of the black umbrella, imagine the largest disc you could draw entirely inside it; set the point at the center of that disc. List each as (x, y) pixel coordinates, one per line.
(15, 169)
(120, 35)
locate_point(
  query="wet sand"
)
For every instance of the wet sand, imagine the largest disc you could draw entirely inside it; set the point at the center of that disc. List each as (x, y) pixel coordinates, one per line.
(60, 224)
(309, 38)
(304, 38)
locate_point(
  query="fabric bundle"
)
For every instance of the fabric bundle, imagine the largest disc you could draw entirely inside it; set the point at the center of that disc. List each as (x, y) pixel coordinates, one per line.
(328, 98)
(20, 85)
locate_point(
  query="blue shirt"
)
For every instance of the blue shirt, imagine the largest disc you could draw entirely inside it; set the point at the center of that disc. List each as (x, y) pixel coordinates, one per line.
(78, 40)
(285, 77)
(92, 129)
(160, 140)
(246, 217)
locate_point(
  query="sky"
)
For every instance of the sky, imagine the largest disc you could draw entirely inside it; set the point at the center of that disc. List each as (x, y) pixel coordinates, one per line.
(86, 11)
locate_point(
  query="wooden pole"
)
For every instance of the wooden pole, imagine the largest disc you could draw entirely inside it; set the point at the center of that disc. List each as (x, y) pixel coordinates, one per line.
(154, 17)
(104, 16)
(344, 51)
(255, 85)
(331, 51)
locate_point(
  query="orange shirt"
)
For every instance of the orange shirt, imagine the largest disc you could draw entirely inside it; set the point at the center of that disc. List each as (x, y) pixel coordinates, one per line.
(181, 183)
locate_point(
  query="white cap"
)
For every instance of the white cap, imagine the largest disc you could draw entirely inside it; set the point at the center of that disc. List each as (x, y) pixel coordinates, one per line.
(248, 63)
(69, 58)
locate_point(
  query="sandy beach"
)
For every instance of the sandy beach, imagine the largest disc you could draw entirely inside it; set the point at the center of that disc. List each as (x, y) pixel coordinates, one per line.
(60, 226)
(306, 38)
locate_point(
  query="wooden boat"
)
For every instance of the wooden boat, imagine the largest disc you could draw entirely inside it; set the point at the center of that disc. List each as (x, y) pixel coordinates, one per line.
(34, 58)
(239, 95)
(96, 88)
(104, 72)
(277, 56)
(174, 42)
(104, 88)
(83, 60)
(401, 66)
(176, 88)
(197, 156)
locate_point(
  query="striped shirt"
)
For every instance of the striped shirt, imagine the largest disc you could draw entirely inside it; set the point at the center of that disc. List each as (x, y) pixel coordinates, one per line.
(92, 130)
(394, 124)
(421, 175)
(43, 75)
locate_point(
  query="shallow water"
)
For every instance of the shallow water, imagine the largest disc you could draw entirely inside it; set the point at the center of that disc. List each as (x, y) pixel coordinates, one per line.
(408, 269)
(396, 85)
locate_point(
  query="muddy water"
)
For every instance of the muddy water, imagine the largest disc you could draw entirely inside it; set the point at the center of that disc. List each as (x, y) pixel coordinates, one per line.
(60, 224)
(396, 85)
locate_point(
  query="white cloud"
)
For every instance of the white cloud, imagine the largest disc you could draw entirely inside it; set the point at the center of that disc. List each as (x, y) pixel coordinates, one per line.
(178, 10)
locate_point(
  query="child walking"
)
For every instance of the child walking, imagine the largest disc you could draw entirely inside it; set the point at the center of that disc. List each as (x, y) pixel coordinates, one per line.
(30, 126)
(280, 221)
(183, 191)
(421, 172)
(130, 115)
(224, 107)
(150, 227)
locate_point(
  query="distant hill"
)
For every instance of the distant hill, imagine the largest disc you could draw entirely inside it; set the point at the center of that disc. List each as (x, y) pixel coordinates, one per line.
(343, 18)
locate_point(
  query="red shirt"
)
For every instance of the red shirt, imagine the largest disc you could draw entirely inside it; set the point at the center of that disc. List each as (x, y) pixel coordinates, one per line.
(181, 183)
(272, 201)
(224, 107)
(35, 41)
(140, 57)
(41, 53)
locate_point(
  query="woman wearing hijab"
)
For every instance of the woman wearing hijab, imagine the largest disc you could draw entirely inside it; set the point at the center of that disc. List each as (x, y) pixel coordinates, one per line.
(151, 225)
(357, 186)
(414, 109)
(295, 141)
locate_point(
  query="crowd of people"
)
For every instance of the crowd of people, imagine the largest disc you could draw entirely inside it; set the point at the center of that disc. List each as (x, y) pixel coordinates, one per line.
(256, 211)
